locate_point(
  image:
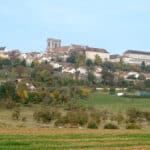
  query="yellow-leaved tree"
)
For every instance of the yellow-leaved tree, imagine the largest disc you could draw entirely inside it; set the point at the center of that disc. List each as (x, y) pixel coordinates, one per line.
(22, 91)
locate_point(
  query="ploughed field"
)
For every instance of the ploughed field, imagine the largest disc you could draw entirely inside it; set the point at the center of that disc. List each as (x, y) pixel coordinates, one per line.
(55, 139)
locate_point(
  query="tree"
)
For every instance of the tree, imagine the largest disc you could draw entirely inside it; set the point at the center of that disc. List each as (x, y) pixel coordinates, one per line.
(89, 63)
(16, 62)
(98, 60)
(91, 77)
(22, 91)
(23, 63)
(108, 77)
(108, 66)
(141, 77)
(143, 66)
(19, 70)
(6, 62)
(8, 91)
(76, 58)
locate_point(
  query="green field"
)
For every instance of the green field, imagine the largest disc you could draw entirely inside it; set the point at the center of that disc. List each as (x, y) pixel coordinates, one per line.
(115, 103)
(74, 141)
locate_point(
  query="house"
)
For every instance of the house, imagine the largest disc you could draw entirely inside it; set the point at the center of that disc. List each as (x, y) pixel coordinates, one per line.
(3, 53)
(136, 57)
(92, 52)
(70, 70)
(126, 75)
(55, 65)
(147, 76)
(115, 58)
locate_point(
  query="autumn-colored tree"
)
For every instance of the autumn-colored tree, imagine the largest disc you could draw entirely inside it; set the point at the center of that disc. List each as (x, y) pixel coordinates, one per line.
(97, 60)
(22, 91)
(85, 92)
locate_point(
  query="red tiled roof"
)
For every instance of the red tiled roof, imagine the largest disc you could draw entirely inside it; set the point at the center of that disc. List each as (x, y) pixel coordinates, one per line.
(147, 75)
(62, 49)
(137, 52)
(78, 48)
(96, 50)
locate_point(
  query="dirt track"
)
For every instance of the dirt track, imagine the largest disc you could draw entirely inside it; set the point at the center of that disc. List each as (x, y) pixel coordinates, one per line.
(45, 131)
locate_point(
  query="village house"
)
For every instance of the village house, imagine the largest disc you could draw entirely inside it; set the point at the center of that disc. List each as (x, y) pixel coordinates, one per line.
(92, 52)
(115, 58)
(126, 75)
(3, 53)
(136, 57)
(147, 76)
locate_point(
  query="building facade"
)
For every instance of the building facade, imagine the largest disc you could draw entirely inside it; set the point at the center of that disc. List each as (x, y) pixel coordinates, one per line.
(92, 52)
(136, 57)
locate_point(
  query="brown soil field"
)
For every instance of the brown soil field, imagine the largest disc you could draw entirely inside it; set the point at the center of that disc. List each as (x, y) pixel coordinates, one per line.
(47, 131)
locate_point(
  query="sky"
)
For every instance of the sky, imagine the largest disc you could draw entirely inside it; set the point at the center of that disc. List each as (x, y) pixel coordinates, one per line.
(116, 25)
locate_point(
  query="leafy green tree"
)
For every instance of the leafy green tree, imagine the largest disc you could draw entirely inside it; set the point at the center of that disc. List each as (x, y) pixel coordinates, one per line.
(23, 63)
(143, 66)
(89, 63)
(108, 78)
(91, 77)
(8, 91)
(108, 66)
(76, 58)
(16, 62)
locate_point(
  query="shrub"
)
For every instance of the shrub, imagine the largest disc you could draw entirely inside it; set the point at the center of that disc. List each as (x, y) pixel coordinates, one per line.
(42, 116)
(16, 114)
(10, 104)
(77, 118)
(118, 117)
(104, 114)
(61, 121)
(134, 115)
(95, 115)
(73, 118)
(75, 107)
(45, 115)
(133, 126)
(34, 97)
(146, 115)
(112, 91)
(92, 125)
(24, 119)
(110, 126)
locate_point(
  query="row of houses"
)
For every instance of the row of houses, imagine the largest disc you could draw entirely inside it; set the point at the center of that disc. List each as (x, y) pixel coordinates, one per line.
(55, 50)
(130, 56)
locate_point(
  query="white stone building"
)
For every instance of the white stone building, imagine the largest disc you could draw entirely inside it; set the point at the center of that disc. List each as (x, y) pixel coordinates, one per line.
(92, 52)
(136, 57)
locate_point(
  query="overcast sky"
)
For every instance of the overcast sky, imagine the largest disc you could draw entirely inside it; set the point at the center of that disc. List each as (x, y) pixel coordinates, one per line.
(116, 25)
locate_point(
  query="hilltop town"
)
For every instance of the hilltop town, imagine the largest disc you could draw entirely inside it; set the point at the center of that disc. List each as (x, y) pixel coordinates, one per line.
(58, 57)
(55, 51)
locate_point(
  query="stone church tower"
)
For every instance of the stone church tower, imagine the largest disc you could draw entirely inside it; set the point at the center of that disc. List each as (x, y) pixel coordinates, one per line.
(52, 44)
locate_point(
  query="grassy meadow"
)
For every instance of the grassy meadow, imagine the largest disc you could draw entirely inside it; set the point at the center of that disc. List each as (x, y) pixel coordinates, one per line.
(115, 103)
